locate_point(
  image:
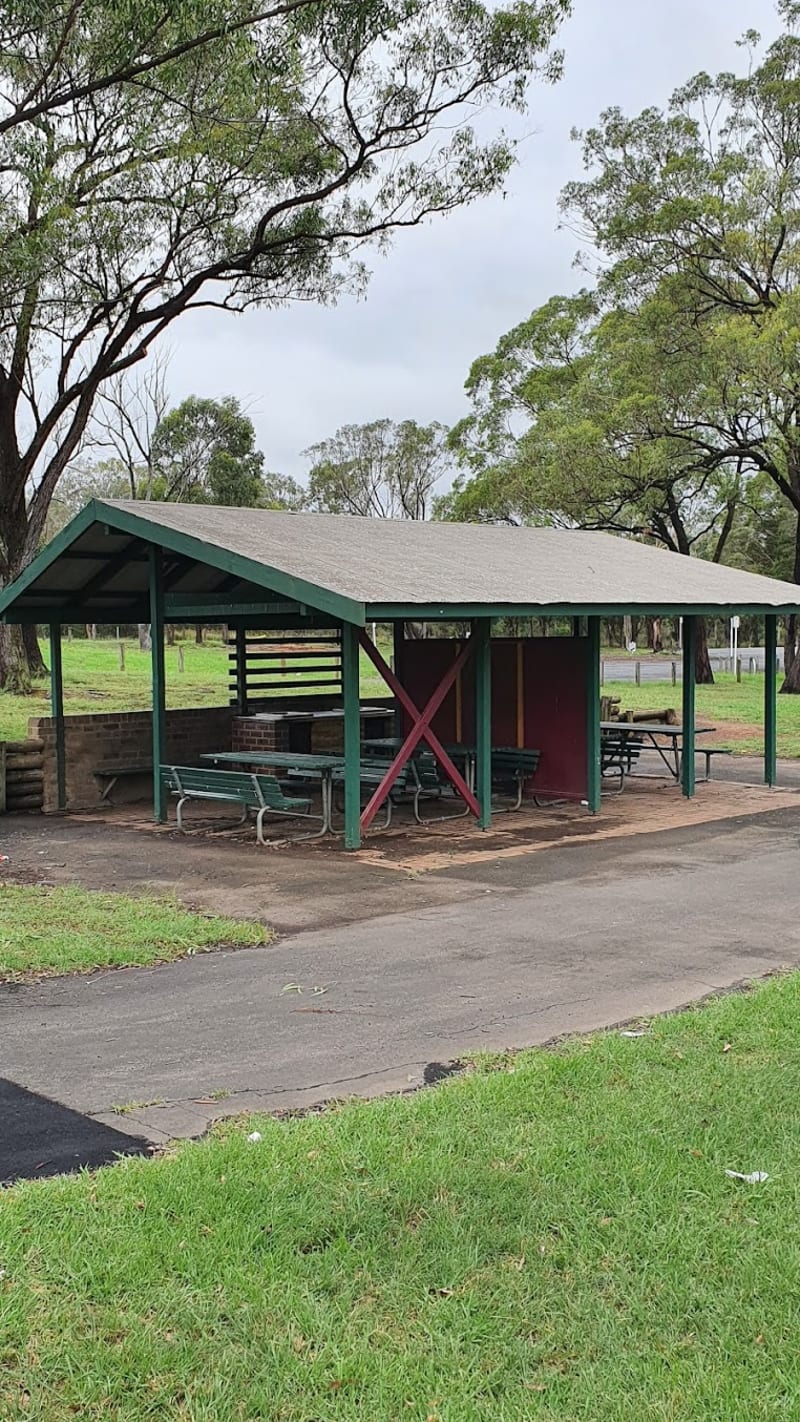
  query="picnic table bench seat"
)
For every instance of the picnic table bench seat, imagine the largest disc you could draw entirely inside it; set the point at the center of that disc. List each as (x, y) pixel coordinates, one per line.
(708, 752)
(512, 767)
(113, 773)
(417, 780)
(619, 753)
(261, 793)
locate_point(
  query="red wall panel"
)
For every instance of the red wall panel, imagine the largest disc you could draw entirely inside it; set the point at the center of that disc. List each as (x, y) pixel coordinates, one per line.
(548, 704)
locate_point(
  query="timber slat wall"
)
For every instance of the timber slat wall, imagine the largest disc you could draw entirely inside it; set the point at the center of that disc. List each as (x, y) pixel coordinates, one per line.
(21, 775)
(300, 664)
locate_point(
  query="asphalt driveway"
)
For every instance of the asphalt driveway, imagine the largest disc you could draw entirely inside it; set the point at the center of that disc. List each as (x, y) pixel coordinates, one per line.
(517, 952)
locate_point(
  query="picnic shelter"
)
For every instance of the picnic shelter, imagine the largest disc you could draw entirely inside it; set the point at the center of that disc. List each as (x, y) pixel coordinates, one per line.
(322, 580)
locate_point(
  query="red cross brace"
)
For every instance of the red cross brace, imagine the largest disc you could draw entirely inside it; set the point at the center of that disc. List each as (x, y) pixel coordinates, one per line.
(420, 730)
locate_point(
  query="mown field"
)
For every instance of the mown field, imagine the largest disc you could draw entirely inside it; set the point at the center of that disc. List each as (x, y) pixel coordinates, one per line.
(93, 681)
(553, 1238)
(736, 708)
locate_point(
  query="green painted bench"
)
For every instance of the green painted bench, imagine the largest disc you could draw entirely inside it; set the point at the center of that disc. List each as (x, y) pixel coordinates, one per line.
(418, 780)
(619, 753)
(261, 793)
(511, 768)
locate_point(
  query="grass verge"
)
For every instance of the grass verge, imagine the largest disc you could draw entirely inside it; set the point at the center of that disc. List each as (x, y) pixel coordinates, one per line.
(554, 1241)
(67, 930)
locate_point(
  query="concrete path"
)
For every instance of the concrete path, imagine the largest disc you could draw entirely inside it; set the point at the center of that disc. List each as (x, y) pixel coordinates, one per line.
(565, 940)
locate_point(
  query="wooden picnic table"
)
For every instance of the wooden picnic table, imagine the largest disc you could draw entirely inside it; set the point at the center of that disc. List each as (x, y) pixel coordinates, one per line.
(315, 765)
(666, 740)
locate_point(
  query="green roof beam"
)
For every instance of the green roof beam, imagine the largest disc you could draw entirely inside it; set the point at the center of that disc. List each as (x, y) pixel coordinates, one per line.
(463, 612)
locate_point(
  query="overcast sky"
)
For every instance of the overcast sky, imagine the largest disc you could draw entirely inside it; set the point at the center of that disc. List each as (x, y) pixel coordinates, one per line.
(446, 292)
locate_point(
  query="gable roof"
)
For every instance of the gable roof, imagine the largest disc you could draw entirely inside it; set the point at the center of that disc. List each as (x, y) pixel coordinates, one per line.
(358, 568)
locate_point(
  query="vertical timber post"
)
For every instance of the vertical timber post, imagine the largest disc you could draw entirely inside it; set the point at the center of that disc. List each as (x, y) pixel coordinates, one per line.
(398, 647)
(687, 762)
(770, 699)
(158, 681)
(241, 670)
(482, 631)
(57, 711)
(352, 737)
(593, 765)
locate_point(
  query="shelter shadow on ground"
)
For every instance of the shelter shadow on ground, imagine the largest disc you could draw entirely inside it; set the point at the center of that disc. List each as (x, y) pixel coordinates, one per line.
(41, 1137)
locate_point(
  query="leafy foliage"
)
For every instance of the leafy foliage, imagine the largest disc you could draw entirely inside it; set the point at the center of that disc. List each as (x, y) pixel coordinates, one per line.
(378, 470)
(651, 403)
(160, 156)
(204, 451)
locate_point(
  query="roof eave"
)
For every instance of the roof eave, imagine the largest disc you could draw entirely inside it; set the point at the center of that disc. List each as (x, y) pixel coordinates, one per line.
(459, 612)
(321, 599)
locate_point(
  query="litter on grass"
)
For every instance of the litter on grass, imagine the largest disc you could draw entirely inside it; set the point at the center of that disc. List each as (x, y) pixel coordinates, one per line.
(642, 1032)
(254, 1137)
(756, 1177)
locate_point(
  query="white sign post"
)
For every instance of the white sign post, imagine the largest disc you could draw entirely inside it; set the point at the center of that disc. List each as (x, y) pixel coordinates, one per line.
(734, 642)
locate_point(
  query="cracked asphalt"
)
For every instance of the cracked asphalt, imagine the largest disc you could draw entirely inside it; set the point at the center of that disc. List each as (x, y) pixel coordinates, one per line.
(567, 940)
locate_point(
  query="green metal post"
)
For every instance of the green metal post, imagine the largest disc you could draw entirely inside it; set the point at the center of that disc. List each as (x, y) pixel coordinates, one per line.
(687, 765)
(158, 680)
(770, 700)
(57, 710)
(593, 764)
(352, 736)
(482, 631)
(241, 670)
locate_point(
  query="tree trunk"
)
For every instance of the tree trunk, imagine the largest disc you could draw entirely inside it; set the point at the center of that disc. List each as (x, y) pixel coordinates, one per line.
(30, 641)
(791, 660)
(654, 633)
(14, 674)
(703, 674)
(198, 634)
(143, 630)
(169, 634)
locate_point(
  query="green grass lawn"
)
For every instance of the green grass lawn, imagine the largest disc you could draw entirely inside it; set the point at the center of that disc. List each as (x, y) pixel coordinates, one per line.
(726, 704)
(555, 1241)
(93, 681)
(65, 930)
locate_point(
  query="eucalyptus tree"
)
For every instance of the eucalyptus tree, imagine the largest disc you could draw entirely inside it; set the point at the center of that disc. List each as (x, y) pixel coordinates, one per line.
(379, 470)
(163, 156)
(689, 351)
